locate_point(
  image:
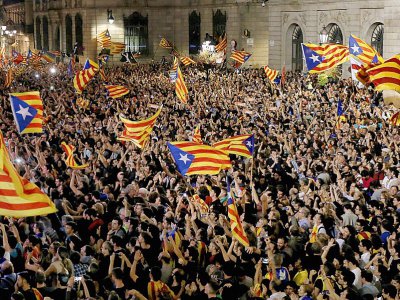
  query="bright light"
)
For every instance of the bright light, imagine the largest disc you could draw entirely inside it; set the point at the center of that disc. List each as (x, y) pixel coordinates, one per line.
(53, 70)
(18, 160)
(14, 31)
(51, 87)
(4, 27)
(37, 75)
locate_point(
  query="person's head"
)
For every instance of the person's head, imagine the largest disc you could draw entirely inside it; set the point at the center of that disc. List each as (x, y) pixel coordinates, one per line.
(23, 279)
(389, 291)
(116, 224)
(106, 248)
(366, 276)
(70, 228)
(211, 288)
(40, 278)
(155, 273)
(117, 275)
(17, 296)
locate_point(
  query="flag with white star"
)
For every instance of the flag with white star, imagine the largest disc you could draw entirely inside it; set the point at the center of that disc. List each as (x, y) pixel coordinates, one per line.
(320, 58)
(27, 109)
(364, 52)
(242, 145)
(193, 158)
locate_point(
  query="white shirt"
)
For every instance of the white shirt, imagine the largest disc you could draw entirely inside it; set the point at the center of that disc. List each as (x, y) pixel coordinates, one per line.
(357, 281)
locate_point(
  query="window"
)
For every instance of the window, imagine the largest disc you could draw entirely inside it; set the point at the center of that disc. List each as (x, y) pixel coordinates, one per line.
(219, 24)
(79, 33)
(38, 34)
(297, 54)
(377, 38)
(58, 39)
(335, 35)
(136, 33)
(45, 33)
(68, 34)
(194, 33)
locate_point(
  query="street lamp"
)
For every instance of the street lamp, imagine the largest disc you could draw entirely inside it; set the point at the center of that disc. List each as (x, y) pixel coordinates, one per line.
(323, 36)
(110, 16)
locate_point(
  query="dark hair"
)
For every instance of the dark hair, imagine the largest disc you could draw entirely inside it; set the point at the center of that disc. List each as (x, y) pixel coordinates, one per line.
(155, 273)
(367, 275)
(118, 273)
(75, 257)
(390, 289)
(73, 225)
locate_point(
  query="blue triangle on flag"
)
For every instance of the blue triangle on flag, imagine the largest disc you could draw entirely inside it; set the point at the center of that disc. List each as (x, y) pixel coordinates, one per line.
(375, 60)
(249, 143)
(277, 80)
(23, 113)
(312, 58)
(182, 158)
(87, 64)
(354, 47)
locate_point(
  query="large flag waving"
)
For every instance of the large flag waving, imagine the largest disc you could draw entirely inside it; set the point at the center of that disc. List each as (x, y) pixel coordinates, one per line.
(234, 218)
(364, 52)
(222, 44)
(180, 87)
(116, 91)
(27, 109)
(186, 60)
(70, 161)
(242, 145)
(104, 39)
(19, 197)
(82, 78)
(321, 58)
(386, 76)
(116, 47)
(193, 158)
(271, 74)
(240, 56)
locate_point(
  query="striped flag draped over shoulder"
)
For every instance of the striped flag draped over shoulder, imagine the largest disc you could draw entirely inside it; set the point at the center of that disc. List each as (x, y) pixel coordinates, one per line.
(19, 197)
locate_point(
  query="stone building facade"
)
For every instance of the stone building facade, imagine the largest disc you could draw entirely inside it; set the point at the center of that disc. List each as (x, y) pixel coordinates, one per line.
(272, 30)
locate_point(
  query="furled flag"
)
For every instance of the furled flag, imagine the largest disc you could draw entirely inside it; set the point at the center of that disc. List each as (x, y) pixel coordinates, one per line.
(104, 39)
(27, 109)
(116, 91)
(395, 119)
(138, 131)
(234, 218)
(9, 78)
(49, 57)
(321, 58)
(17, 57)
(193, 158)
(242, 145)
(116, 47)
(102, 73)
(70, 161)
(386, 76)
(90, 64)
(180, 87)
(164, 43)
(197, 135)
(364, 52)
(19, 197)
(222, 44)
(240, 56)
(340, 115)
(271, 74)
(175, 64)
(355, 67)
(186, 60)
(82, 78)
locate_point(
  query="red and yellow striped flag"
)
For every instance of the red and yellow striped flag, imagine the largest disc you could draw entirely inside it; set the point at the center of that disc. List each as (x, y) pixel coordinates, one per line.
(197, 135)
(102, 74)
(222, 44)
(9, 78)
(116, 91)
(395, 119)
(175, 64)
(240, 56)
(364, 52)
(27, 109)
(82, 78)
(204, 209)
(104, 39)
(83, 103)
(70, 161)
(180, 87)
(186, 60)
(320, 58)
(164, 43)
(116, 47)
(386, 76)
(18, 197)
(271, 74)
(236, 225)
(242, 145)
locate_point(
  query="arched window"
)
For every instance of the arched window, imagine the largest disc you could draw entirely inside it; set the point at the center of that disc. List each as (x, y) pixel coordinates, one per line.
(335, 35)
(297, 54)
(79, 32)
(45, 33)
(38, 33)
(377, 38)
(57, 39)
(136, 33)
(219, 24)
(68, 34)
(194, 32)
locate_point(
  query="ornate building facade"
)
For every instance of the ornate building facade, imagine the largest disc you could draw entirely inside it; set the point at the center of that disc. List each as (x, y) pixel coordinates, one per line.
(272, 30)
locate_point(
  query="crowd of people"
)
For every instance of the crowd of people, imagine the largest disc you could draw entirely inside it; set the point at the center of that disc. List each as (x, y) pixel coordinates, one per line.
(319, 201)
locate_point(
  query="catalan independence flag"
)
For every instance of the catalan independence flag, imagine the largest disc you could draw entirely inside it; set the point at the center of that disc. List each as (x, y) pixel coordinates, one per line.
(197, 135)
(240, 56)
(271, 74)
(116, 91)
(19, 197)
(70, 161)
(242, 145)
(27, 109)
(49, 57)
(180, 87)
(186, 60)
(164, 43)
(192, 158)
(90, 64)
(320, 58)
(386, 76)
(234, 218)
(364, 52)
(222, 44)
(116, 47)
(82, 78)
(138, 132)
(104, 39)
